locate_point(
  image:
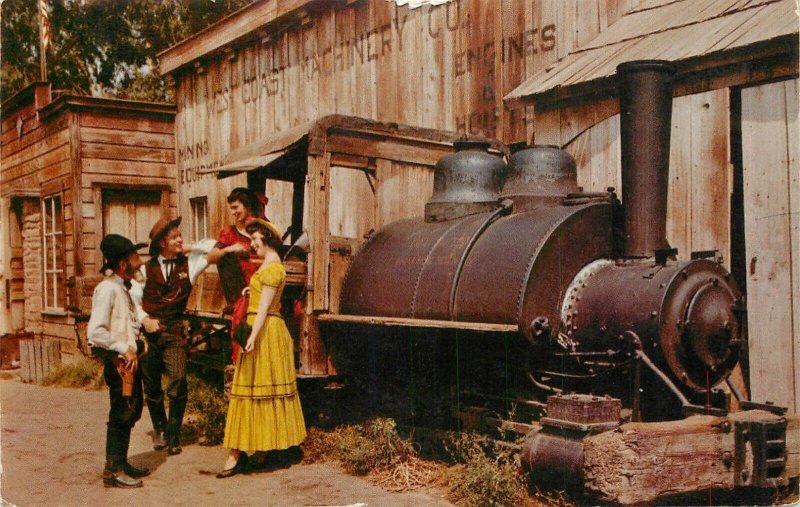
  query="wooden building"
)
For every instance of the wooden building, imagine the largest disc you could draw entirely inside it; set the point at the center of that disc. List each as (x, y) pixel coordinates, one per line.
(73, 169)
(527, 71)
(734, 172)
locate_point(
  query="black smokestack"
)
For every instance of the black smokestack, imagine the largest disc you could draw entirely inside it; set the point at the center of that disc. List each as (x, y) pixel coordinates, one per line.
(645, 104)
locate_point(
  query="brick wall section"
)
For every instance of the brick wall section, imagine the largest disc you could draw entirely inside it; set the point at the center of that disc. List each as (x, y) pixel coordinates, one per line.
(32, 260)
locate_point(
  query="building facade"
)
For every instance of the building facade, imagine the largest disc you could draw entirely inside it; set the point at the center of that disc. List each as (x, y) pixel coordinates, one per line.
(73, 169)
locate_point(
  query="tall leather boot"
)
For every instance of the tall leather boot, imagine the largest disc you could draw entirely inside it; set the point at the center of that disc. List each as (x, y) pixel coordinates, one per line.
(129, 469)
(159, 418)
(177, 406)
(114, 475)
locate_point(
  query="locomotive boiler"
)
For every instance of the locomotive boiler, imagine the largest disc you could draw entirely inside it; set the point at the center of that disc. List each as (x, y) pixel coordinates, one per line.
(590, 282)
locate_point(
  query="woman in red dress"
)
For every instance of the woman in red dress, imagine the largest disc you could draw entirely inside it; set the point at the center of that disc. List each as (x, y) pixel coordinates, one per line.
(245, 206)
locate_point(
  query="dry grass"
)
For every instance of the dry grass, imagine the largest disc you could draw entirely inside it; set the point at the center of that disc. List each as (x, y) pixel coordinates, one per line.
(86, 373)
(485, 473)
(479, 472)
(374, 449)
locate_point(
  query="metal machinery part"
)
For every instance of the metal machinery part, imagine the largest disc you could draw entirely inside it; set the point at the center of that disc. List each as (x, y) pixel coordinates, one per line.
(561, 265)
(439, 270)
(645, 104)
(542, 171)
(686, 314)
(554, 454)
(465, 182)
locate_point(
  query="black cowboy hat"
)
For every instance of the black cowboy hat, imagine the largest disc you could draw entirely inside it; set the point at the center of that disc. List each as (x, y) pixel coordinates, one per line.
(159, 230)
(116, 248)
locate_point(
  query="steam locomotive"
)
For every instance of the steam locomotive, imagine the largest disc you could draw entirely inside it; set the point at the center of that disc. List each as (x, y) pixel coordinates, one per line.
(592, 284)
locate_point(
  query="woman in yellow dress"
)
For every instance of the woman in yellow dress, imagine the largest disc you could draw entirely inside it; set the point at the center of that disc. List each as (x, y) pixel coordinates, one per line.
(264, 413)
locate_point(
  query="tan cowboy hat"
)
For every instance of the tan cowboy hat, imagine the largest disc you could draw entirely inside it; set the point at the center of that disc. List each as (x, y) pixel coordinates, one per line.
(269, 225)
(159, 230)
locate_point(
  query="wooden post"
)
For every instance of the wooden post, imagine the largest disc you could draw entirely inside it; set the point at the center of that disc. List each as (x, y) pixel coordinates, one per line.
(25, 360)
(319, 181)
(37, 352)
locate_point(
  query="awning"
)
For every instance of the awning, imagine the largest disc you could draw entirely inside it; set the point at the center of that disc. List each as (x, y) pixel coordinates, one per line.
(695, 35)
(260, 153)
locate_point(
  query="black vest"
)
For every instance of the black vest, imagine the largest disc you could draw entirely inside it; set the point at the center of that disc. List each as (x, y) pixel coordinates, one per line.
(166, 299)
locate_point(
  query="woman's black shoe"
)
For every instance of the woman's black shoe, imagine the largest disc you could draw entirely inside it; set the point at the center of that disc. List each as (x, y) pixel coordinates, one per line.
(238, 468)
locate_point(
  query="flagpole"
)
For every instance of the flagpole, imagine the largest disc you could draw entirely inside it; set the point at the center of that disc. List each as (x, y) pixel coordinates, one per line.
(43, 42)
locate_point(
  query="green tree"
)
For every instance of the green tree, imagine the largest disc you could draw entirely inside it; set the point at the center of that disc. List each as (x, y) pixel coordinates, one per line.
(101, 47)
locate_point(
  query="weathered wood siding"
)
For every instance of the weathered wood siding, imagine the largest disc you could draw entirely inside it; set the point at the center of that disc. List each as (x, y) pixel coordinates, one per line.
(125, 153)
(772, 237)
(445, 67)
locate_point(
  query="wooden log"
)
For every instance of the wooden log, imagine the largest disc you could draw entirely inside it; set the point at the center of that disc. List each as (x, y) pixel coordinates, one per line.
(640, 462)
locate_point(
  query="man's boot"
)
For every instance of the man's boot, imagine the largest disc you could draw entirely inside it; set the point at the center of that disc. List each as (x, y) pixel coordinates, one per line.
(115, 477)
(159, 418)
(173, 434)
(129, 469)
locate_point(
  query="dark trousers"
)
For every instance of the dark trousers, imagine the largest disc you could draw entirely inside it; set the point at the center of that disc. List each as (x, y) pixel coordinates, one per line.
(167, 355)
(122, 415)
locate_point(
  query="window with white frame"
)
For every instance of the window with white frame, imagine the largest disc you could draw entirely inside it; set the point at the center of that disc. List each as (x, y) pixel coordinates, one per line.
(199, 217)
(55, 294)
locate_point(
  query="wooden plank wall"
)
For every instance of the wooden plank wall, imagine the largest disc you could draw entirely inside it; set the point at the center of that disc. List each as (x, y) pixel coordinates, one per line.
(126, 154)
(772, 239)
(444, 67)
(700, 179)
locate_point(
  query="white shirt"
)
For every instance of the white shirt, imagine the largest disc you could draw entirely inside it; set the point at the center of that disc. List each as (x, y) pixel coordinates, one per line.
(101, 331)
(198, 261)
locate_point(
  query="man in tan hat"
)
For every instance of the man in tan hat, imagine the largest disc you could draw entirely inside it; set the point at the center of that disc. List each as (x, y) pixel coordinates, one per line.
(113, 333)
(170, 274)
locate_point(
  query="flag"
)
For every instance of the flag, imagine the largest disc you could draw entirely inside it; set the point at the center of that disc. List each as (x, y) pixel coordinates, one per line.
(44, 24)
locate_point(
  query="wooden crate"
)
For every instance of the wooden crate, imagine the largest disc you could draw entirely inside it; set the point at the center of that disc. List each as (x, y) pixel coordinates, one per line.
(38, 357)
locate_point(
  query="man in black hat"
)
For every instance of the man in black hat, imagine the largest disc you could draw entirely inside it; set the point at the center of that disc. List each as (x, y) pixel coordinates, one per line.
(170, 275)
(113, 333)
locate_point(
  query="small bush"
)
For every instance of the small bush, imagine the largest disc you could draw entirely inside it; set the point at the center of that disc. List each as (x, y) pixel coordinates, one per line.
(486, 474)
(374, 446)
(209, 406)
(86, 373)
(320, 446)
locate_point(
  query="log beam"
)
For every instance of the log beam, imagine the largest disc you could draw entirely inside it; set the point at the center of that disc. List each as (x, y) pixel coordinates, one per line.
(640, 462)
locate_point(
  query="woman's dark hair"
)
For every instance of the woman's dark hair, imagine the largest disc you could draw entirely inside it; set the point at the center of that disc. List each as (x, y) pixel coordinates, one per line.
(270, 239)
(247, 197)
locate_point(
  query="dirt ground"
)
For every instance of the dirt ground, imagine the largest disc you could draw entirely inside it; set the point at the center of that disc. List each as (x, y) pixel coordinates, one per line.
(53, 454)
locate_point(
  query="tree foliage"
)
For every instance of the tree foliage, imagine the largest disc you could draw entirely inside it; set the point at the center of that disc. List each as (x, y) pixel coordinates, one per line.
(101, 47)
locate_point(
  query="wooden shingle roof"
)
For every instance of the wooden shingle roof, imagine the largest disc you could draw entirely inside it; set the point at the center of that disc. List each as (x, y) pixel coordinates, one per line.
(694, 34)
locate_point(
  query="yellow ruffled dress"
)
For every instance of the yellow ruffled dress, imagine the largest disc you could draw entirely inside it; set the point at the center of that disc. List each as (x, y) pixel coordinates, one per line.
(264, 411)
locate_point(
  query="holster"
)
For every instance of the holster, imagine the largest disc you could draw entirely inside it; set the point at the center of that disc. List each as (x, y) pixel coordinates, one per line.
(128, 376)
